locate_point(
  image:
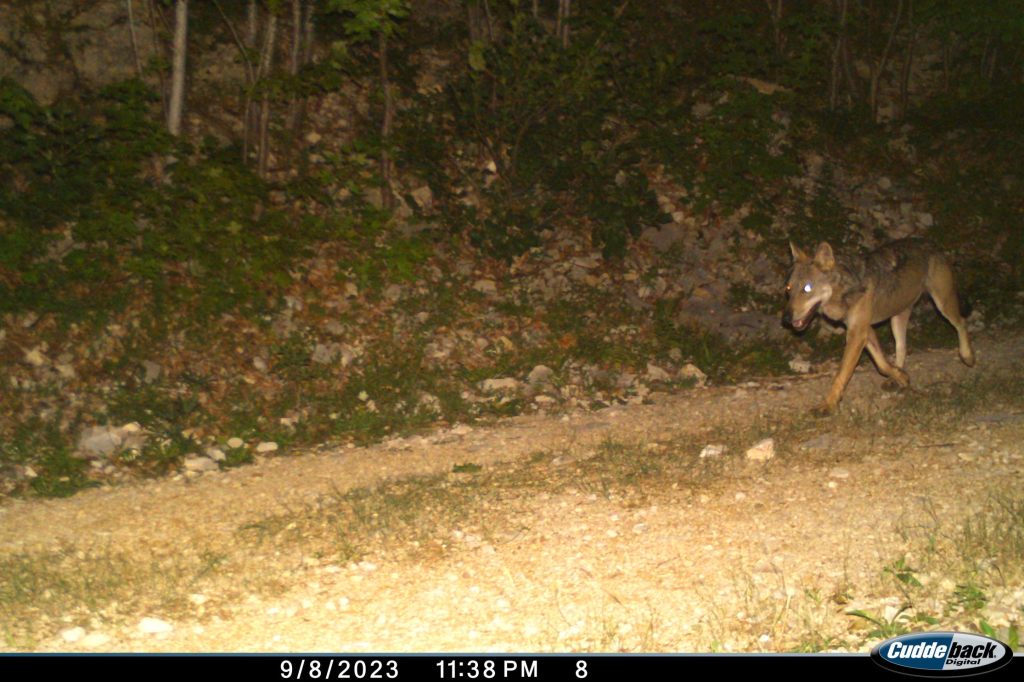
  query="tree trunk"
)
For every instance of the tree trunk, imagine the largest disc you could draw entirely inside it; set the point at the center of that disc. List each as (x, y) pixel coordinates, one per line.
(135, 40)
(775, 12)
(837, 53)
(252, 24)
(245, 53)
(562, 22)
(161, 49)
(908, 61)
(387, 196)
(250, 116)
(295, 56)
(853, 84)
(308, 34)
(479, 21)
(876, 74)
(490, 22)
(294, 64)
(177, 103)
(297, 114)
(266, 62)
(947, 51)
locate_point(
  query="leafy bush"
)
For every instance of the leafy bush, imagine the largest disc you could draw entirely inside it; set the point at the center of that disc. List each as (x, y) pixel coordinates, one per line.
(95, 211)
(529, 131)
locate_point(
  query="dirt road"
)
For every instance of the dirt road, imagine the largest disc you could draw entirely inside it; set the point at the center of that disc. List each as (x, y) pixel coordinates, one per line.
(600, 531)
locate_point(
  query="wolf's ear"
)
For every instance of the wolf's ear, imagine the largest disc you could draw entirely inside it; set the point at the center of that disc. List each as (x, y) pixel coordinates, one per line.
(798, 255)
(824, 257)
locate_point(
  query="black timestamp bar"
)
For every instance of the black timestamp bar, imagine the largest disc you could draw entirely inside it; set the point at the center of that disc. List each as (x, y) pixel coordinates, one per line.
(504, 668)
(445, 667)
(335, 668)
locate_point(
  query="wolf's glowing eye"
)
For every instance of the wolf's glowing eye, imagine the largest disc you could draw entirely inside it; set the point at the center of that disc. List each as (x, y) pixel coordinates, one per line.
(807, 288)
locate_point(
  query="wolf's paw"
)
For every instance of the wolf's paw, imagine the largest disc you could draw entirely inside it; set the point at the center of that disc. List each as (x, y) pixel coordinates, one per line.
(897, 381)
(823, 410)
(892, 385)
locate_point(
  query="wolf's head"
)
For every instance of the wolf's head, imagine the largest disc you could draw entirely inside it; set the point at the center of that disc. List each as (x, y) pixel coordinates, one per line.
(809, 285)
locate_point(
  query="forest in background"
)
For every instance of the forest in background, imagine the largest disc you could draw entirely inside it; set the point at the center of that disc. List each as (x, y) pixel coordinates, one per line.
(284, 222)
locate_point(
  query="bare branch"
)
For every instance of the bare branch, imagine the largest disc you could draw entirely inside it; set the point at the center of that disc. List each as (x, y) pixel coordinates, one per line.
(242, 50)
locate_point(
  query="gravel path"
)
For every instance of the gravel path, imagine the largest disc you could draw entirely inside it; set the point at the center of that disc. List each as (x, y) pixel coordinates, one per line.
(753, 557)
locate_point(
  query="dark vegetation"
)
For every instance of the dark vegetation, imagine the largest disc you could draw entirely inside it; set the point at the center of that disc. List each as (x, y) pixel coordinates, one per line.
(232, 260)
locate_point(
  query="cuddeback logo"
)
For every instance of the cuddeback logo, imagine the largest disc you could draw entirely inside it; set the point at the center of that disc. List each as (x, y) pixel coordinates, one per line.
(941, 654)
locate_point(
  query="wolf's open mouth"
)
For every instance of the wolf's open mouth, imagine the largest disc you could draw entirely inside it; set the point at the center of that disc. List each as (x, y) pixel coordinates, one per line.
(801, 324)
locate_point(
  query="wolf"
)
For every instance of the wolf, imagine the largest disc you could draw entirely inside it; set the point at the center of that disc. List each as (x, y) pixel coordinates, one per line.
(861, 292)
